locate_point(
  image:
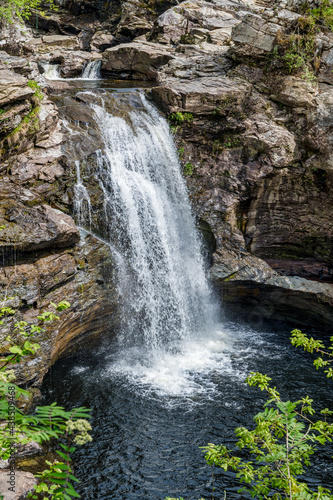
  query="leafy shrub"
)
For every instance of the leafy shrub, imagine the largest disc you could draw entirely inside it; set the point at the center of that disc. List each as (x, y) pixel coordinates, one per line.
(180, 118)
(48, 422)
(283, 440)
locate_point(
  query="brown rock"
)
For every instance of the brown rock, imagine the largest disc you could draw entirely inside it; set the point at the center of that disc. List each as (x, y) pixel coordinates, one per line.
(13, 87)
(35, 228)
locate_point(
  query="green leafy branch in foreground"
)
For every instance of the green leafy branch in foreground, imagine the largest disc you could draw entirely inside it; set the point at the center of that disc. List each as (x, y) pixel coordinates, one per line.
(299, 339)
(51, 422)
(283, 440)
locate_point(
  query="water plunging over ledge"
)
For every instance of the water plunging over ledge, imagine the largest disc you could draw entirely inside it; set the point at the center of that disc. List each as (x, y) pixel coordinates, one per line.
(92, 71)
(169, 313)
(173, 380)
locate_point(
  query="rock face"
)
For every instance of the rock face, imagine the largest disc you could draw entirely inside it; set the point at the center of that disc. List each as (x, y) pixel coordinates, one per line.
(83, 275)
(13, 88)
(35, 228)
(44, 258)
(255, 142)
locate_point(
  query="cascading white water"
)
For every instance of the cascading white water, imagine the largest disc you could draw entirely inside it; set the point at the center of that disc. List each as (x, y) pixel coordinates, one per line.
(92, 71)
(82, 203)
(162, 279)
(52, 71)
(170, 338)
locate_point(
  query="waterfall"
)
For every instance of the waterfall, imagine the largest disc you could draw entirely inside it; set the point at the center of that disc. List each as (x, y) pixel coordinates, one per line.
(162, 283)
(92, 71)
(52, 71)
(82, 204)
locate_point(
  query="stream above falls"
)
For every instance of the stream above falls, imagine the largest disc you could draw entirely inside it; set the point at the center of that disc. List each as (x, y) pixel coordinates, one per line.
(173, 378)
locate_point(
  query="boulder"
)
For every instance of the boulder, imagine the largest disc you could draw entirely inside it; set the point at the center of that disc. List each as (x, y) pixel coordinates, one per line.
(101, 41)
(24, 482)
(49, 42)
(141, 60)
(178, 22)
(74, 62)
(35, 228)
(13, 87)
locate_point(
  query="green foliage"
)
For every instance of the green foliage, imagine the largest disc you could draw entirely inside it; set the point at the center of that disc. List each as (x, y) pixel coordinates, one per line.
(11, 10)
(48, 422)
(299, 339)
(283, 440)
(323, 15)
(39, 96)
(296, 51)
(188, 169)
(181, 151)
(180, 118)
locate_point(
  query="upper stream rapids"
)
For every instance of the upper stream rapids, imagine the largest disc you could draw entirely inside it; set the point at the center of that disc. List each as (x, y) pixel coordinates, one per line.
(172, 379)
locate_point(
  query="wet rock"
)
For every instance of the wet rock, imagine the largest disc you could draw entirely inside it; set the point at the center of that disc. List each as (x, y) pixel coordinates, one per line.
(48, 120)
(84, 277)
(288, 217)
(24, 482)
(74, 62)
(253, 291)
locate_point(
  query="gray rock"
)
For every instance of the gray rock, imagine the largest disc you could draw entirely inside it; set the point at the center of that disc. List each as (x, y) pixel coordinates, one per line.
(326, 70)
(17, 64)
(139, 59)
(254, 36)
(24, 482)
(101, 41)
(68, 42)
(202, 96)
(296, 92)
(275, 141)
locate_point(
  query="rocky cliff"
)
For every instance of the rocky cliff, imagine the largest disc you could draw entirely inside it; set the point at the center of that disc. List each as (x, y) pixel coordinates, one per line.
(254, 132)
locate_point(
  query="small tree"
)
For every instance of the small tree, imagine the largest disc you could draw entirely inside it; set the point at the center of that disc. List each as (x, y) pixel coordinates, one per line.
(283, 440)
